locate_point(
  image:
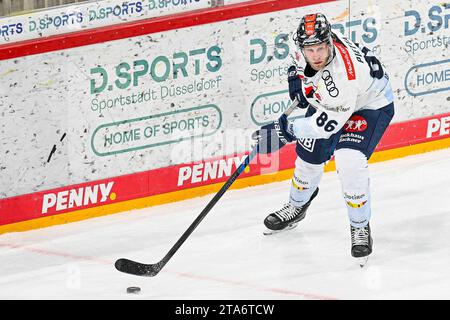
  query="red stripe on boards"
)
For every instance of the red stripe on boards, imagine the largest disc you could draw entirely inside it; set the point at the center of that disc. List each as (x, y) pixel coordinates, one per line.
(143, 27)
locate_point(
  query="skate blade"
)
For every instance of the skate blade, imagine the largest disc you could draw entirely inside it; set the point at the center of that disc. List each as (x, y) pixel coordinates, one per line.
(362, 261)
(269, 232)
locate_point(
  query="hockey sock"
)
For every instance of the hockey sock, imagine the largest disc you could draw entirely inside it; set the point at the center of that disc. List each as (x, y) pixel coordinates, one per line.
(353, 172)
(304, 182)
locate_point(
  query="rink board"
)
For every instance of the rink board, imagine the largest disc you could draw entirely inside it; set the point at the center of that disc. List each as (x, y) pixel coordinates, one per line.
(182, 182)
(82, 16)
(226, 83)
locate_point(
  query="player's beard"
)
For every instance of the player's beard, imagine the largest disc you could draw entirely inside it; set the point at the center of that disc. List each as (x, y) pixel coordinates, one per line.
(325, 61)
(318, 67)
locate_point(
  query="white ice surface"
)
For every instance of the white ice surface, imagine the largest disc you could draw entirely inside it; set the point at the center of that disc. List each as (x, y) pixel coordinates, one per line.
(227, 257)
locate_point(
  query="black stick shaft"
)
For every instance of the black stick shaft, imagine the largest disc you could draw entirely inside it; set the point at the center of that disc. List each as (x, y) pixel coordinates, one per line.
(137, 268)
(216, 198)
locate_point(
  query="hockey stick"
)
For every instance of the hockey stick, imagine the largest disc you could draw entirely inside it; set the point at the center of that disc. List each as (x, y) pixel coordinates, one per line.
(151, 270)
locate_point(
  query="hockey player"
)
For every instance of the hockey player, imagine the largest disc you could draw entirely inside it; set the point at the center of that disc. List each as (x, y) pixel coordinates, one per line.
(349, 104)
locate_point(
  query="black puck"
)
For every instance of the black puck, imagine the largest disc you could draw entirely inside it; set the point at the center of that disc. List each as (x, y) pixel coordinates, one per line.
(133, 290)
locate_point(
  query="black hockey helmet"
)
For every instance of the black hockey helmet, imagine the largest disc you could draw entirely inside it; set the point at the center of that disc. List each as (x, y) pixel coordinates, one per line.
(313, 29)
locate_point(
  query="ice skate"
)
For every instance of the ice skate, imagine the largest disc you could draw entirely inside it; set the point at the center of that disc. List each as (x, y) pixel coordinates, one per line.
(286, 218)
(361, 244)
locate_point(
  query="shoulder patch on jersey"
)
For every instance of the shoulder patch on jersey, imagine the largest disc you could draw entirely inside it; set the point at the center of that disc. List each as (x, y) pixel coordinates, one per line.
(349, 67)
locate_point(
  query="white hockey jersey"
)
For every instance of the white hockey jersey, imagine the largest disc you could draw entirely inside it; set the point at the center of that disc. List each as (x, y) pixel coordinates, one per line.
(342, 87)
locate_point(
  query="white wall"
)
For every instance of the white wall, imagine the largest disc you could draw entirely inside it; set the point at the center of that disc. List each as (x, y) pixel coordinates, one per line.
(48, 95)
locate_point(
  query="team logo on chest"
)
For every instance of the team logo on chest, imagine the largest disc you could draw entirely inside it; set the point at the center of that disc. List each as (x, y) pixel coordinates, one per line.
(310, 89)
(318, 96)
(329, 84)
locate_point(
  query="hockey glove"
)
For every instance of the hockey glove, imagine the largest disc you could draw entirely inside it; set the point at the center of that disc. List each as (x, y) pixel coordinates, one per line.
(273, 136)
(295, 87)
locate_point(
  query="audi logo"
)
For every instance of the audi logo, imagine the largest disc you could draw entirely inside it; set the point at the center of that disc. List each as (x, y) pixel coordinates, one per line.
(329, 83)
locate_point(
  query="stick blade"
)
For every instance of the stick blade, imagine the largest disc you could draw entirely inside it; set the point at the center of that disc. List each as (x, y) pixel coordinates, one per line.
(137, 268)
